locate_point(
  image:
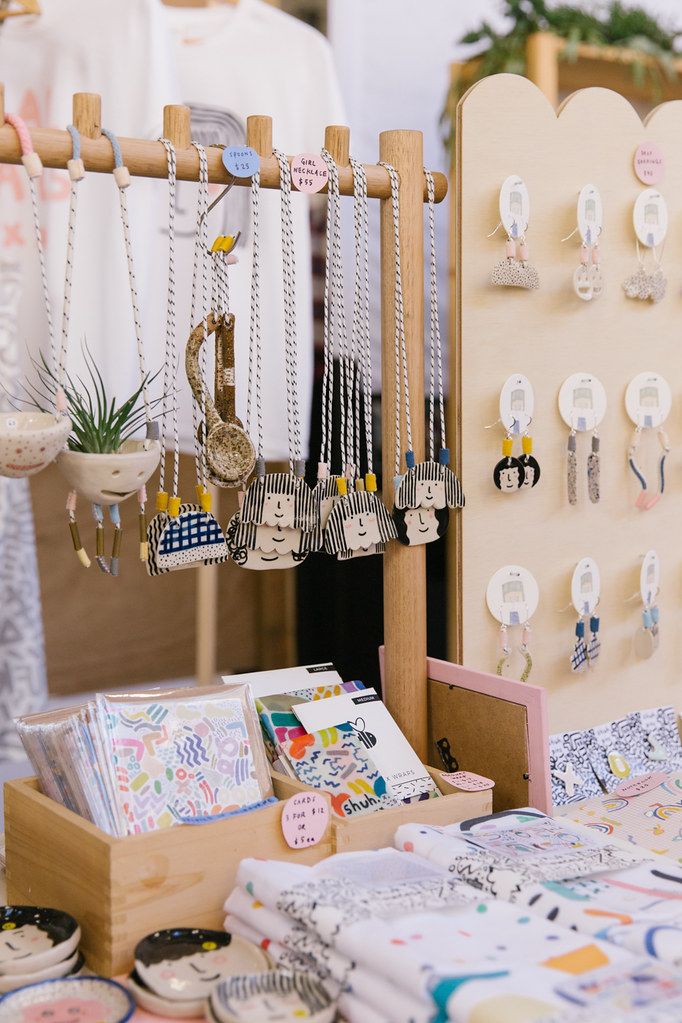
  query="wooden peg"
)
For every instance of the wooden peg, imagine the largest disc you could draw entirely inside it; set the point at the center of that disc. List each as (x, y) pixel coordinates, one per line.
(337, 142)
(87, 114)
(177, 125)
(2, 104)
(259, 134)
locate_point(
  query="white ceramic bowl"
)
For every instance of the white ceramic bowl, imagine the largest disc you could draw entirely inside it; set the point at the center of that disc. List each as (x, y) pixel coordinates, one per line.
(70, 967)
(35, 937)
(29, 441)
(147, 1000)
(112, 478)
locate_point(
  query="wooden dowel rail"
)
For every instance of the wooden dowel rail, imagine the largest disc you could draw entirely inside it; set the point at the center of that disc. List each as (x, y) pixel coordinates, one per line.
(147, 158)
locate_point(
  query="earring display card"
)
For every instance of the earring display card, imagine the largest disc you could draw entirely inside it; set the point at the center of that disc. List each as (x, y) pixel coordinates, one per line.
(505, 126)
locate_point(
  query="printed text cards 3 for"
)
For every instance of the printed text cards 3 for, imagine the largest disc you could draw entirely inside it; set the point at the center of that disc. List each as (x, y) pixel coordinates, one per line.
(405, 775)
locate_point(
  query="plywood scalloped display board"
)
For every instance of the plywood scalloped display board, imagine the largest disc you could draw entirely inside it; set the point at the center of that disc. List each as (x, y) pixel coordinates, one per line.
(506, 126)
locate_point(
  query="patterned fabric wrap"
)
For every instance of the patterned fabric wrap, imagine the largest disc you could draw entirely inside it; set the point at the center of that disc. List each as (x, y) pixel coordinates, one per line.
(633, 736)
(423, 472)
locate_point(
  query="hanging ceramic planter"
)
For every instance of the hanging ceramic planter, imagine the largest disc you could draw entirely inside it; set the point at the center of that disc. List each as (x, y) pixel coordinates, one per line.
(30, 440)
(112, 477)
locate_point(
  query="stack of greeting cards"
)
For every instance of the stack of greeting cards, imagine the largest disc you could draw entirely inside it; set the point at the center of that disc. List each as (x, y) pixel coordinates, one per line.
(337, 736)
(143, 761)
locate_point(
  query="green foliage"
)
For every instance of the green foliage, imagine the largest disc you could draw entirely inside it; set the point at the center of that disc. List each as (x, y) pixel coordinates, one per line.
(98, 426)
(611, 24)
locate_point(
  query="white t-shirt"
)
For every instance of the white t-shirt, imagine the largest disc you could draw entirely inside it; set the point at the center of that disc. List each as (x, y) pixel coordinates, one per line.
(122, 51)
(234, 61)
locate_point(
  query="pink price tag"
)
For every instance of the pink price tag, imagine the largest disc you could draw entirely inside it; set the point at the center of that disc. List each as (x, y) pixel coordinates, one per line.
(304, 819)
(649, 163)
(309, 172)
(638, 786)
(468, 782)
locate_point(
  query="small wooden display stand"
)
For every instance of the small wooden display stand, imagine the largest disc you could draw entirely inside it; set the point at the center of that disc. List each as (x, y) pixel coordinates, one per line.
(121, 889)
(376, 830)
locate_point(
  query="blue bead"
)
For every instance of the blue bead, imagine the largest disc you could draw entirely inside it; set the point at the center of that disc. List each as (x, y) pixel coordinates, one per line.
(647, 618)
(409, 459)
(580, 629)
(655, 614)
(594, 624)
(444, 456)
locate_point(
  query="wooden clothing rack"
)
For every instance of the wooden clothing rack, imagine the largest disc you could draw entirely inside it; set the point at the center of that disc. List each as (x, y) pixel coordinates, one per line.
(405, 665)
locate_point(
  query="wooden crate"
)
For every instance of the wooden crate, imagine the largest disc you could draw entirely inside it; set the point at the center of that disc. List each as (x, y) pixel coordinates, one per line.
(120, 889)
(376, 830)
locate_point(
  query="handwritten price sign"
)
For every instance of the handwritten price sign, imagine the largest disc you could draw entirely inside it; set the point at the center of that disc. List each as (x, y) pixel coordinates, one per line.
(309, 172)
(466, 781)
(242, 161)
(304, 819)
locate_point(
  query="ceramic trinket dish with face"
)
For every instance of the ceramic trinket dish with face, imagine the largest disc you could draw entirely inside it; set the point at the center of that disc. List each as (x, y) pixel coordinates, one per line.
(70, 967)
(183, 963)
(163, 1007)
(29, 441)
(72, 1000)
(280, 995)
(33, 938)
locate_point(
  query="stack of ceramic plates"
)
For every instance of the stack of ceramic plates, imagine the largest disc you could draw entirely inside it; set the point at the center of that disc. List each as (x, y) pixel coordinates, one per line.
(73, 998)
(278, 995)
(175, 970)
(37, 944)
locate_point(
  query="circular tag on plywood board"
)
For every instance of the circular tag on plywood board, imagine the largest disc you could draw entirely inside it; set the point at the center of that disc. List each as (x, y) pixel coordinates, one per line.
(649, 163)
(514, 206)
(512, 595)
(585, 586)
(582, 402)
(517, 403)
(648, 400)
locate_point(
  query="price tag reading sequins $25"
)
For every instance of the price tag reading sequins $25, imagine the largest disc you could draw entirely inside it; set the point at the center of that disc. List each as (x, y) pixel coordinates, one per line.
(309, 172)
(241, 161)
(304, 819)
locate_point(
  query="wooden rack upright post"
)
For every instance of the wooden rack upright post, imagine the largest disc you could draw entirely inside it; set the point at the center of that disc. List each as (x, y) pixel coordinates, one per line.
(404, 567)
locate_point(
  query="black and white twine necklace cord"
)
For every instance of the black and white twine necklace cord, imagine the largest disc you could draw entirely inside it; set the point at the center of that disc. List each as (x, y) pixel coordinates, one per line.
(435, 347)
(201, 268)
(164, 502)
(254, 395)
(400, 341)
(361, 314)
(296, 464)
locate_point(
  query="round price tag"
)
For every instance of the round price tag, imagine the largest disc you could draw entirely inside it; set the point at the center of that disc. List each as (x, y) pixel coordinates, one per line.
(241, 161)
(304, 819)
(309, 172)
(649, 163)
(466, 781)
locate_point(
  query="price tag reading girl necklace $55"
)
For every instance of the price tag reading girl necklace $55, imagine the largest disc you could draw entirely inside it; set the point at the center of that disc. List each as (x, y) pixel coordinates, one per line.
(309, 172)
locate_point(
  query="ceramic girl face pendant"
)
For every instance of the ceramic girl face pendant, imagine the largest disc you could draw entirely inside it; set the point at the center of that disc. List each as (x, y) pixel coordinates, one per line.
(264, 547)
(281, 499)
(32, 938)
(420, 525)
(429, 485)
(509, 475)
(275, 997)
(359, 523)
(182, 964)
(73, 1000)
(193, 537)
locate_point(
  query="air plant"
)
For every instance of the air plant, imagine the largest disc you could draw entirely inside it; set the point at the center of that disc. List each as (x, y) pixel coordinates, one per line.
(98, 426)
(608, 24)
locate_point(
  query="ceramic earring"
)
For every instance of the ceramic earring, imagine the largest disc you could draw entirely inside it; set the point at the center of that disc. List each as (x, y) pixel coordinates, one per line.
(645, 641)
(530, 464)
(650, 219)
(582, 404)
(648, 400)
(588, 281)
(579, 655)
(594, 646)
(515, 270)
(512, 596)
(509, 473)
(594, 470)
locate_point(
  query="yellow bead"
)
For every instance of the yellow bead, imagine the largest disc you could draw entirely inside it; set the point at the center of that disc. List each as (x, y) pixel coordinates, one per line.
(174, 507)
(162, 501)
(527, 444)
(342, 485)
(507, 446)
(206, 501)
(199, 491)
(370, 482)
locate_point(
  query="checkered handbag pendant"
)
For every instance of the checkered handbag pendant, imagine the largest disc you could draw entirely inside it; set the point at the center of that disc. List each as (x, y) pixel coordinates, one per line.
(190, 538)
